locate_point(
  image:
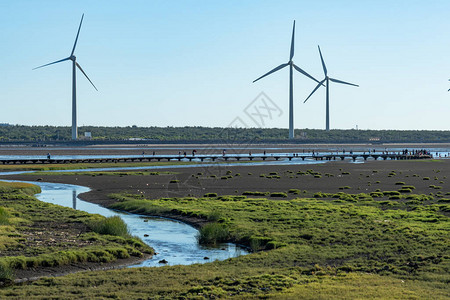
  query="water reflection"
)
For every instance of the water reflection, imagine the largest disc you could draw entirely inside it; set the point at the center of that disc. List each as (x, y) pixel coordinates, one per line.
(74, 199)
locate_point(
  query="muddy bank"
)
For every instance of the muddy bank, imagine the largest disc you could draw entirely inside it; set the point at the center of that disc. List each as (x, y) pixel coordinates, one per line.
(356, 177)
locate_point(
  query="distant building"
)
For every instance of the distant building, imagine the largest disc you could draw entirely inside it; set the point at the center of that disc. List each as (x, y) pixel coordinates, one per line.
(303, 135)
(87, 136)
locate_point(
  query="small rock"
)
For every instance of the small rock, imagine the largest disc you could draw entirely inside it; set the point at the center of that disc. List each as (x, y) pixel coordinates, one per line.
(145, 235)
(206, 257)
(163, 261)
(146, 220)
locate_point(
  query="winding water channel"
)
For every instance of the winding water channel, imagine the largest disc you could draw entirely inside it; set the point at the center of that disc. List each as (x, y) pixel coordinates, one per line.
(174, 241)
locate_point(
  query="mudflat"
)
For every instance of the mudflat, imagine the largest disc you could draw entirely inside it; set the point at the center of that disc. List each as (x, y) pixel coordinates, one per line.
(426, 176)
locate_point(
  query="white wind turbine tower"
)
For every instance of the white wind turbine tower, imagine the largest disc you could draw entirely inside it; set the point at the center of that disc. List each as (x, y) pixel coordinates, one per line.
(292, 66)
(74, 81)
(327, 84)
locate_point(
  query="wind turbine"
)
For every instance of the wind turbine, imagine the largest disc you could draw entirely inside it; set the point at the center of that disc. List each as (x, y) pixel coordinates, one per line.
(327, 80)
(74, 81)
(292, 66)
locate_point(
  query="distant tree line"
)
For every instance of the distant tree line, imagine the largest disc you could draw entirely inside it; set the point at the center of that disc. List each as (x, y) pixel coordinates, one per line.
(20, 133)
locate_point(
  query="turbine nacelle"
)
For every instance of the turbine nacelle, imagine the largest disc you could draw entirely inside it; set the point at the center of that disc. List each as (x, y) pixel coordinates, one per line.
(73, 58)
(291, 64)
(326, 80)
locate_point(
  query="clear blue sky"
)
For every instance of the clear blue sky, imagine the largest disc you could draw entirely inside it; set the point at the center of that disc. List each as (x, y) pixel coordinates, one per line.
(189, 63)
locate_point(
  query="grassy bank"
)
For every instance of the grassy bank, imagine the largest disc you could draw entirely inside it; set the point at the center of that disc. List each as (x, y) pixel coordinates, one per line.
(359, 234)
(303, 248)
(37, 235)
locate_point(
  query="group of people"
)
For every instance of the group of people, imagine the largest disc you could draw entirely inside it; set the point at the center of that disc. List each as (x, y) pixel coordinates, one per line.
(316, 152)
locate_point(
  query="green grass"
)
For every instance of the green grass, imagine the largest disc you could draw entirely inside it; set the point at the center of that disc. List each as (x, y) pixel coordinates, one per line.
(336, 232)
(335, 246)
(111, 225)
(6, 273)
(303, 248)
(36, 234)
(213, 233)
(4, 216)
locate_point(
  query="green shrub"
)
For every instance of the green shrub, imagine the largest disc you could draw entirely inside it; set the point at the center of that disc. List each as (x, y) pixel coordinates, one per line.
(411, 187)
(210, 195)
(377, 195)
(400, 183)
(259, 242)
(4, 216)
(6, 273)
(275, 245)
(391, 193)
(111, 226)
(256, 193)
(426, 178)
(213, 233)
(215, 216)
(320, 195)
(278, 194)
(294, 191)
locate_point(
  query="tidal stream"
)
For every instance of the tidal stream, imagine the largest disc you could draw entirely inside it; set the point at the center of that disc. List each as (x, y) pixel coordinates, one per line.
(173, 241)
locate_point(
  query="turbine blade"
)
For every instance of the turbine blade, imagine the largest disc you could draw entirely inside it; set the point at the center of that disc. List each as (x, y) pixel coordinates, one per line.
(343, 82)
(320, 83)
(79, 67)
(323, 62)
(55, 62)
(304, 73)
(272, 71)
(292, 42)
(78, 33)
